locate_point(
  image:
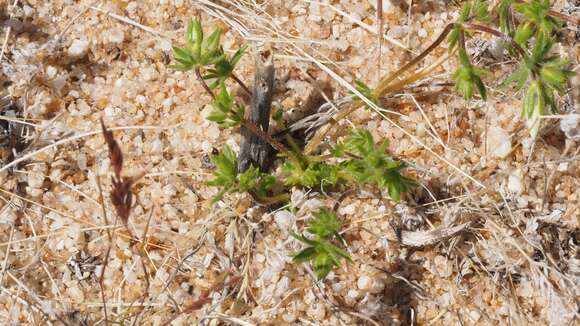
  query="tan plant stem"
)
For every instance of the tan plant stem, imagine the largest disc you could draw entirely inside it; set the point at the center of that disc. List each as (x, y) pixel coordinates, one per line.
(384, 83)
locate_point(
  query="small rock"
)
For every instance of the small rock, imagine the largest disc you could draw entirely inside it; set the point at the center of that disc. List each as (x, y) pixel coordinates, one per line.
(78, 48)
(114, 36)
(499, 142)
(563, 167)
(570, 125)
(442, 266)
(515, 184)
(347, 210)
(285, 220)
(474, 315)
(364, 282)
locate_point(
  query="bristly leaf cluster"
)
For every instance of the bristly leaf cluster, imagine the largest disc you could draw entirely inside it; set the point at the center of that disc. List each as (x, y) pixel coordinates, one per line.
(310, 172)
(539, 23)
(365, 90)
(362, 162)
(544, 75)
(368, 163)
(226, 111)
(207, 55)
(198, 52)
(467, 76)
(321, 251)
(228, 179)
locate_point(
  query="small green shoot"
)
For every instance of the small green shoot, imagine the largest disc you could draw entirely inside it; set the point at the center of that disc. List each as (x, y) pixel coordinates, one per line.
(368, 163)
(467, 76)
(228, 179)
(198, 51)
(310, 172)
(539, 22)
(365, 91)
(363, 162)
(226, 112)
(321, 251)
(224, 68)
(545, 76)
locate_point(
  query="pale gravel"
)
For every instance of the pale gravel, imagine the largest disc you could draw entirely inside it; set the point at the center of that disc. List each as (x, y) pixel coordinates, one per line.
(109, 69)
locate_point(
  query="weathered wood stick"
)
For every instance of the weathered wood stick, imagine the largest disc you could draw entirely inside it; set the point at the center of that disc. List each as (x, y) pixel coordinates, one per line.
(253, 149)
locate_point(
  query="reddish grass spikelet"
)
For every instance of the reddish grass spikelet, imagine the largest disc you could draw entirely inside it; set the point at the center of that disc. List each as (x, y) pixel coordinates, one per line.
(121, 195)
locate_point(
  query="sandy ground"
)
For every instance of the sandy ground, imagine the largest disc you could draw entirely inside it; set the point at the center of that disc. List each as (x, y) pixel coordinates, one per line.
(66, 64)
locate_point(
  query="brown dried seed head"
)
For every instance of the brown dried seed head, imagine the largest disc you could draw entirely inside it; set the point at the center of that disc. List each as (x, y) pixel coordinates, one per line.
(115, 153)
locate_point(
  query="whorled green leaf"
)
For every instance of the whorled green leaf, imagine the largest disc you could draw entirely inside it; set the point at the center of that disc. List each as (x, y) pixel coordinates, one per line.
(523, 33)
(465, 12)
(321, 252)
(365, 90)
(519, 77)
(225, 172)
(225, 111)
(467, 77)
(539, 21)
(453, 38)
(368, 163)
(305, 255)
(324, 224)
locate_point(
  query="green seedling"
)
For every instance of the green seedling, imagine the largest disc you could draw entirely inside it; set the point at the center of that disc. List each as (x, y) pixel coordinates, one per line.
(226, 111)
(467, 76)
(362, 162)
(321, 250)
(545, 75)
(368, 163)
(229, 180)
(198, 52)
(539, 22)
(365, 91)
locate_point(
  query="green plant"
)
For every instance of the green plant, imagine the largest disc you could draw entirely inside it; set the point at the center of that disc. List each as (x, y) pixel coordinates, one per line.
(368, 163)
(362, 162)
(531, 40)
(539, 22)
(228, 179)
(198, 52)
(226, 112)
(366, 91)
(321, 251)
(467, 76)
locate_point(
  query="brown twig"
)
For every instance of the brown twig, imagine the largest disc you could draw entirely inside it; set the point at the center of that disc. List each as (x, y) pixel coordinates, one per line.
(106, 260)
(242, 85)
(568, 18)
(494, 32)
(245, 123)
(203, 83)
